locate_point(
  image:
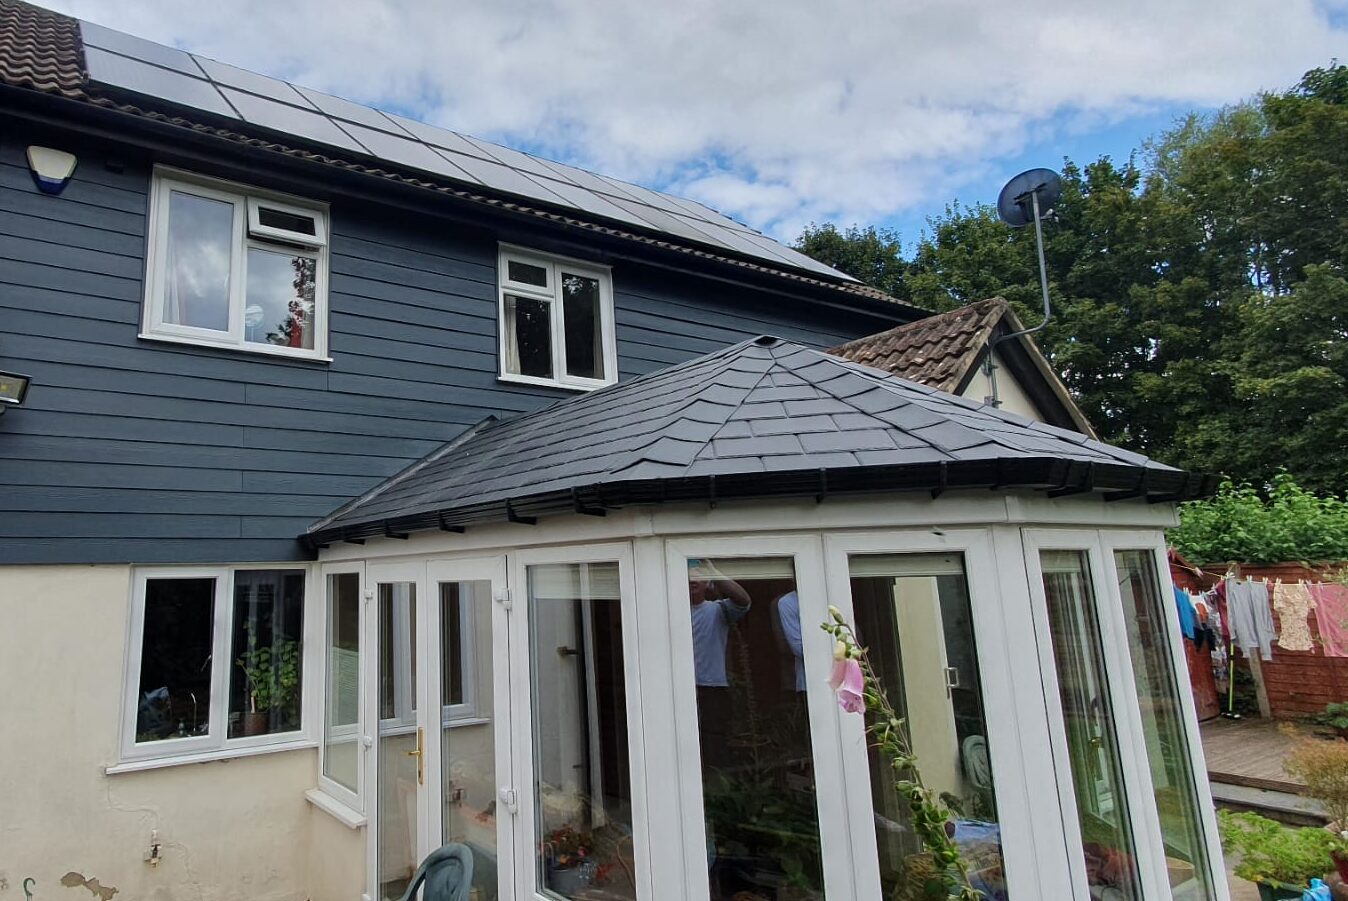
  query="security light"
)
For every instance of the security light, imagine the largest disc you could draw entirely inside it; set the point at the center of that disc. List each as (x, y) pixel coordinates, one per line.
(13, 388)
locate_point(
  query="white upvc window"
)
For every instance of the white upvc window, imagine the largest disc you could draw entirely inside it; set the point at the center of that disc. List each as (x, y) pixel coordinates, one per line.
(233, 266)
(556, 321)
(215, 663)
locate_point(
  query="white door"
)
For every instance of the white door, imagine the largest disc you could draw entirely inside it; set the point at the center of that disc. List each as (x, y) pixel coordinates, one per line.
(439, 763)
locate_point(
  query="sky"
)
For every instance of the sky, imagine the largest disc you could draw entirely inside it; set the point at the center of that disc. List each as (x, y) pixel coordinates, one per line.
(779, 113)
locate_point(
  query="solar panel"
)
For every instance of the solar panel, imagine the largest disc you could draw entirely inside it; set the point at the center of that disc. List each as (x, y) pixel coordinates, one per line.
(289, 119)
(155, 81)
(128, 63)
(234, 77)
(138, 48)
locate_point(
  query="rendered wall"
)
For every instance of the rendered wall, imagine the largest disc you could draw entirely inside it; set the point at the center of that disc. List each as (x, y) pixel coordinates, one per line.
(1012, 395)
(230, 829)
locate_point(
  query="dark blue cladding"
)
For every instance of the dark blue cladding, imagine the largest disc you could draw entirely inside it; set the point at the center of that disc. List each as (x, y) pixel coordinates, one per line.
(130, 450)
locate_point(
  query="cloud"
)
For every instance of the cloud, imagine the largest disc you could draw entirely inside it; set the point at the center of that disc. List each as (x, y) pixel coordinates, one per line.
(779, 113)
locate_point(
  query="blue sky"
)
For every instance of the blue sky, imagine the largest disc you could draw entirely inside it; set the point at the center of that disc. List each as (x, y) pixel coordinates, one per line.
(782, 113)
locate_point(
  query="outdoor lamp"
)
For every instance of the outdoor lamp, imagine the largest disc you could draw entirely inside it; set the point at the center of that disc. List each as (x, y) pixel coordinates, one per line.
(13, 388)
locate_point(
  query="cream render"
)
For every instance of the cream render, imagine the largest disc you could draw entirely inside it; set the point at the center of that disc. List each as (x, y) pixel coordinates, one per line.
(1011, 396)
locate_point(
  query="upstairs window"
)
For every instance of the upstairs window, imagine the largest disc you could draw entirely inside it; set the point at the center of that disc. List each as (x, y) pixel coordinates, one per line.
(230, 266)
(556, 321)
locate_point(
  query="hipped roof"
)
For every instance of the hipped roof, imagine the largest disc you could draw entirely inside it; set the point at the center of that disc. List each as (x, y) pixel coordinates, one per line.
(764, 418)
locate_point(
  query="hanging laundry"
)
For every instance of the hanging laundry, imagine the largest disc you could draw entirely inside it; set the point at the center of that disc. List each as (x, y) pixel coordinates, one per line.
(1186, 612)
(1293, 602)
(1251, 620)
(1331, 616)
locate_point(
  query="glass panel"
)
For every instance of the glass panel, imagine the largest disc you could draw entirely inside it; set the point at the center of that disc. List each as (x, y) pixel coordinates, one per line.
(581, 780)
(1158, 689)
(913, 615)
(341, 723)
(584, 336)
(468, 752)
(1092, 746)
(200, 241)
(174, 700)
(528, 336)
(399, 740)
(526, 273)
(280, 305)
(754, 730)
(286, 221)
(264, 682)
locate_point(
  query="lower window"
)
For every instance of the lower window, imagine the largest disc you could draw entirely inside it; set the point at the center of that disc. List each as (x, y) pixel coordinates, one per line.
(218, 659)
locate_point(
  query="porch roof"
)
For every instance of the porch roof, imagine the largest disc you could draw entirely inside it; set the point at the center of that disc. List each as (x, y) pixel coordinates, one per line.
(764, 418)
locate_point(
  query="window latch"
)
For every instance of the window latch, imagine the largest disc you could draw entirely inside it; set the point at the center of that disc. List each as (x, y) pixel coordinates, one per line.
(509, 800)
(502, 597)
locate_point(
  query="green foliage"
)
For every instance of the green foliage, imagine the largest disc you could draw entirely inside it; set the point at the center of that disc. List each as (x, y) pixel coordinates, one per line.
(1334, 715)
(940, 871)
(272, 672)
(1199, 288)
(1287, 524)
(1273, 853)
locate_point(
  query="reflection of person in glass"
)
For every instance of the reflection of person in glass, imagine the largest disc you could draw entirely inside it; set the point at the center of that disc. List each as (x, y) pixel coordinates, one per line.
(788, 615)
(715, 604)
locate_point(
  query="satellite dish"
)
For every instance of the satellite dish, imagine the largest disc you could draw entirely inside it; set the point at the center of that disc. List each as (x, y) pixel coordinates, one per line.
(1017, 201)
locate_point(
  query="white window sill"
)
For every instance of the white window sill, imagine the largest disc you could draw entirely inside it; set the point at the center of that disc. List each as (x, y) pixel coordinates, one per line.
(216, 755)
(248, 348)
(343, 814)
(549, 383)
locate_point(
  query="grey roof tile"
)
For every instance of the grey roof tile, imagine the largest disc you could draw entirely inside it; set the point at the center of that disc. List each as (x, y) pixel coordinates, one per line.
(804, 411)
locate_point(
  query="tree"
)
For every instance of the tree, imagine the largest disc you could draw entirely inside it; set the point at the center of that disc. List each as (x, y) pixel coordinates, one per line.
(873, 255)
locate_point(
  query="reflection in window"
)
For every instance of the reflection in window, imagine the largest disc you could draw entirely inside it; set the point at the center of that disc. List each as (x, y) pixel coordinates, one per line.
(528, 336)
(264, 682)
(914, 617)
(1158, 690)
(581, 780)
(200, 242)
(468, 748)
(400, 766)
(174, 695)
(341, 719)
(280, 299)
(584, 334)
(1092, 745)
(754, 730)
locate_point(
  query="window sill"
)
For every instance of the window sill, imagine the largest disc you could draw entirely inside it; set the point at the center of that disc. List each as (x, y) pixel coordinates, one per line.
(349, 818)
(217, 755)
(249, 349)
(548, 383)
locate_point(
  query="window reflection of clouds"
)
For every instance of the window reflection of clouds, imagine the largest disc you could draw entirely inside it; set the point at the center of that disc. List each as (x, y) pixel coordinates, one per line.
(280, 299)
(200, 238)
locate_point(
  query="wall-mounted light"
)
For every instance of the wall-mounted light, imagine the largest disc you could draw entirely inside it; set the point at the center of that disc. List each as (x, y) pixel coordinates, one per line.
(51, 168)
(13, 389)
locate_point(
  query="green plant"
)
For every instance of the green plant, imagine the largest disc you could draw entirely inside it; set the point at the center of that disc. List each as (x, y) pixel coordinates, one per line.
(1323, 767)
(1274, 854)
(945, 871)
(1334, 716)
(1242, 524)
(272, 672)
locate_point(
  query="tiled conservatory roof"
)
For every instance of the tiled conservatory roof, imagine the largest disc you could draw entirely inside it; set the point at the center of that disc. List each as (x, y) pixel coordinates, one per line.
(764, 418)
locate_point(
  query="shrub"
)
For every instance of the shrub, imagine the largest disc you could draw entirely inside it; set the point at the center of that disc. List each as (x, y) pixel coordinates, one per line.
(1323, 766)
(1239, 524)
(1273, 853)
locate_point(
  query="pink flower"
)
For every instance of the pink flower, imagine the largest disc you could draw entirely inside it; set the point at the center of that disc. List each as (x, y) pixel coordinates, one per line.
(847, 683)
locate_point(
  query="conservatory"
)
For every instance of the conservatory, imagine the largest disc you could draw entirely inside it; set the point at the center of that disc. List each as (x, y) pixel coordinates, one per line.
(583, 646)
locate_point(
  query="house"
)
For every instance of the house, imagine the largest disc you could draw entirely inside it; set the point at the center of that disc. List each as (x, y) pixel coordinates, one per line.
(368, 469)
(977, 351)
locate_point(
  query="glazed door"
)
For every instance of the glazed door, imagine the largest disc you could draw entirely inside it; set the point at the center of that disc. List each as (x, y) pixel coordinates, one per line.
(439, 766)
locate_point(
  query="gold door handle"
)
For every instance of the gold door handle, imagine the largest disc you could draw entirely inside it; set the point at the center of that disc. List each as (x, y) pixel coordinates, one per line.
(421, 773)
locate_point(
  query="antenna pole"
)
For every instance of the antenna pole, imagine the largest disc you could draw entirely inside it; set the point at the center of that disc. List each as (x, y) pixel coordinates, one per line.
(1043, 278)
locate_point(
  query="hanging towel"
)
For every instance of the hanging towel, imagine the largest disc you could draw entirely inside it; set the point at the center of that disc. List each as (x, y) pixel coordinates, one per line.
(1251, 620)
(1293, 602)
(1186, 612)
(1331, 615)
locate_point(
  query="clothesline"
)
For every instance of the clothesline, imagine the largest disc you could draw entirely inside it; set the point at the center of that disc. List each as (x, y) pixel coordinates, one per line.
(1239, 612)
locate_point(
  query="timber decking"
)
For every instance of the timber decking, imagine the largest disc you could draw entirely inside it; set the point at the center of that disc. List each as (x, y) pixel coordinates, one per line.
(1249, 752)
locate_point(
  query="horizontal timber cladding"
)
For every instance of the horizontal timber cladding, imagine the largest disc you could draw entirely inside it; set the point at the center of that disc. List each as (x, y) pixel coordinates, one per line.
(131, 450)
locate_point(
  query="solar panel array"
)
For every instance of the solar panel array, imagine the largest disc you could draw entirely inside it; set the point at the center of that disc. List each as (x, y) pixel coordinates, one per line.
(123, 62)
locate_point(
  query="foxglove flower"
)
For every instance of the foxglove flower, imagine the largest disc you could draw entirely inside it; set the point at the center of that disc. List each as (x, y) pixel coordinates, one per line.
(848, 684)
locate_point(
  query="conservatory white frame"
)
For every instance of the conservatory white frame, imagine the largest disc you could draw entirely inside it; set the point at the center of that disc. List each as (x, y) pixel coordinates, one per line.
(999, 537)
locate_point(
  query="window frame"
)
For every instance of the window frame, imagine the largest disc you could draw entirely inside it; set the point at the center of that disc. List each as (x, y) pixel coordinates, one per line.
(216, 743)
(247, 234)
(552, 295)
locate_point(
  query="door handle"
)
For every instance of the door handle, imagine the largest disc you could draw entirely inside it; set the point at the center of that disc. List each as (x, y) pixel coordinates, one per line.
(417, 753)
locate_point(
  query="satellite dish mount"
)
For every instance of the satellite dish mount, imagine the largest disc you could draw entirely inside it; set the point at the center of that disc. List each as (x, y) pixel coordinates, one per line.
(1028, 197)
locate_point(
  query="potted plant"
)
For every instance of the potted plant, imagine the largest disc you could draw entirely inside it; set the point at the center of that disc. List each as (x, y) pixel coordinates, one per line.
(1280, 859)
(571, 861)
(272, 679)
